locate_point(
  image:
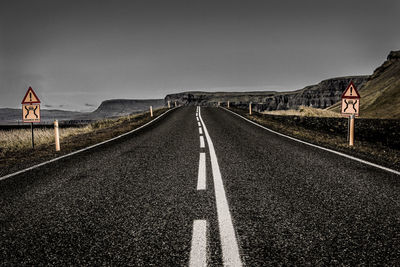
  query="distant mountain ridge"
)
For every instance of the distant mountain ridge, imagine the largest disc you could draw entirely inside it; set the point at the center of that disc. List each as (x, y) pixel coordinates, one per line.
(321, 95)
(123, 107)
(107, 109)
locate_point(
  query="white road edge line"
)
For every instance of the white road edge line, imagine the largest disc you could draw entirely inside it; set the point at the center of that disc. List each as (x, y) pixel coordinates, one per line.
(83, 149)
(202, 145)
(320, 147)
(200, 130)
(198, 251)
(229, 245)
(201, 177)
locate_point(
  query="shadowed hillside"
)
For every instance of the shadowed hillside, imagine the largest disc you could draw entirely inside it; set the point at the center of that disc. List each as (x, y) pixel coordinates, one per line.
(380, 96)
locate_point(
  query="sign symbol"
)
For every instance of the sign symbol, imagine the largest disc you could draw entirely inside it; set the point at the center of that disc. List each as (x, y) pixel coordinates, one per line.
(30, 95)
(28, 109)
(351, 90)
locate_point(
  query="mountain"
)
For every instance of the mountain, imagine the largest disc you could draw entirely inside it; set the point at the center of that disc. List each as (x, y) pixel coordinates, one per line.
(123, 107)
(14, 116)
(380, 95)
(107, 109)
(321, 95)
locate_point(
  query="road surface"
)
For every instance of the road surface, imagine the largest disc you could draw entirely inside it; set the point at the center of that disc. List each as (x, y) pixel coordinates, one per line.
(201, 188)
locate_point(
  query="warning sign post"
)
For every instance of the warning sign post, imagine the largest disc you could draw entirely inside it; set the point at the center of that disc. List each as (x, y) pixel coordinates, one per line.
(351, 101)
(31, 110)
(351, 109)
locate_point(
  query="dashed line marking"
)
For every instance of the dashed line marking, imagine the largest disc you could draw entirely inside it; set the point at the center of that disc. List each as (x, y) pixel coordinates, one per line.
(229, 245)
(200, 130)
(202, 145)
(198, 252)
(199, 124)
(201, 178)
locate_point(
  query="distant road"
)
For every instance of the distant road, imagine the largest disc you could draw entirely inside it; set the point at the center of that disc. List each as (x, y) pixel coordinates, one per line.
(201, 188)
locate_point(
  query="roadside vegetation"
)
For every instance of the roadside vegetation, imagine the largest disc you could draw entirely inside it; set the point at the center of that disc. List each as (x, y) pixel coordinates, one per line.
(306, 112)
(16, 144)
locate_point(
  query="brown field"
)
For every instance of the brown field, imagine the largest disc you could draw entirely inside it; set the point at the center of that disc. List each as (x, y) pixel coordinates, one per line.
(306, 112)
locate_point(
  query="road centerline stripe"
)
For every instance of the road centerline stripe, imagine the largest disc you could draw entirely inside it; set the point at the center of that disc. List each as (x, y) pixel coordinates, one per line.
(201, 178)
(198, 252)
(202, 145)
(200, 130)
(229, 245)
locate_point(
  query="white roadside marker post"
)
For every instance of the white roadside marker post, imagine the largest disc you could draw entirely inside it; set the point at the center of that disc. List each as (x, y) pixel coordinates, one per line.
(351, 139)
(175, 103)
(250, 108)
(151, 111)
(228, 104)
(56, 135)
(169, 104)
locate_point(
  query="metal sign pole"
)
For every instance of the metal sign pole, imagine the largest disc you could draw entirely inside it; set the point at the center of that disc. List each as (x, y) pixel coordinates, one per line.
(33, 138)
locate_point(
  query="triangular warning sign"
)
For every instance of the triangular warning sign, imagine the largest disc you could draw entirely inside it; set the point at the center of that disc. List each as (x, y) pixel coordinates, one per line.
(351, 92)
(30, 97)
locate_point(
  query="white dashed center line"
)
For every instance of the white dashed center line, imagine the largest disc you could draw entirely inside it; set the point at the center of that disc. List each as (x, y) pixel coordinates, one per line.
(198, 253)
(202, 142)
(201, 179)
(200, 130)
(229, 245)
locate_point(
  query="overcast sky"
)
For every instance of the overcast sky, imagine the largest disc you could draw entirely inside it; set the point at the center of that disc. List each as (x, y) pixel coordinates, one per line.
(77, 53)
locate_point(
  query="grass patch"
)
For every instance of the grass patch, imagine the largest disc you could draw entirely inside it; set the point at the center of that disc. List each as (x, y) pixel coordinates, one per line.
(305, 111)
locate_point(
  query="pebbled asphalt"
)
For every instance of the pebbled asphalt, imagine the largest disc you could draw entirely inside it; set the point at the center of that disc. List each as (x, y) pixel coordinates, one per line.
(293, 204)
(132, 202)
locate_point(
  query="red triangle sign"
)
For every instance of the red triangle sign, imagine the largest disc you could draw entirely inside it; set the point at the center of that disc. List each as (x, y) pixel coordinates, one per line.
(30, 97)
(351, 92)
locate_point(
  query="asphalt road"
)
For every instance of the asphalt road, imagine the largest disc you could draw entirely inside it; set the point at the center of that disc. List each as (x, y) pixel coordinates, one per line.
(135, 201)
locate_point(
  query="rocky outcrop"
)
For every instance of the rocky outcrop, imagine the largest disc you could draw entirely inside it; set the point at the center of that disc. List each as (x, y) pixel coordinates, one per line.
(321, 95)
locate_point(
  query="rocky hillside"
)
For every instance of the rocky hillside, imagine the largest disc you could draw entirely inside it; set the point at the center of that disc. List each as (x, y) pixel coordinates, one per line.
(321, 95)
(380, 96)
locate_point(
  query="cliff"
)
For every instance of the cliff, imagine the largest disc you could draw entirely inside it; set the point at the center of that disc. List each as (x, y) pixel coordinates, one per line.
(321, 95)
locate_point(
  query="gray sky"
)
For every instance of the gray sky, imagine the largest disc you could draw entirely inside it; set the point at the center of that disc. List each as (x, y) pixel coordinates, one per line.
(77, 53)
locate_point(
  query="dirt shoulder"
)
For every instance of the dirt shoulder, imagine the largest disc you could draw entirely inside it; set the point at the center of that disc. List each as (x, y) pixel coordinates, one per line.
(385, 153)
(16, 160)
